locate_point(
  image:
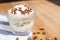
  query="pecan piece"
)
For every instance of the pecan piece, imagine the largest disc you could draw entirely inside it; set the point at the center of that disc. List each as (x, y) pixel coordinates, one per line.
(17, 38)
(41, 29)
(38, 32)
(35, 37)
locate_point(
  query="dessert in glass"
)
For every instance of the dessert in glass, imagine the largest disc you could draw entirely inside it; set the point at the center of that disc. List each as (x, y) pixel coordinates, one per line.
(21, 19)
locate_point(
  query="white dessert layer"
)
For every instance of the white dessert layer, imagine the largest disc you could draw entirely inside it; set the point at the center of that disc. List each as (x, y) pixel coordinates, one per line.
(26, 28)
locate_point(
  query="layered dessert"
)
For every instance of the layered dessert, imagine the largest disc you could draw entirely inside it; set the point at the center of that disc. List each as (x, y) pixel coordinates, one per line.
(21, 18)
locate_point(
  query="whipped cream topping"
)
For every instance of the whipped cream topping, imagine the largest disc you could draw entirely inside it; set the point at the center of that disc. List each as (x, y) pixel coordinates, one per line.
(21, 9)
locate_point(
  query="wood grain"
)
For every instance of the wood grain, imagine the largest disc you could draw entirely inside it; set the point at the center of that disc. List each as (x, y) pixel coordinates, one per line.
(47, 15)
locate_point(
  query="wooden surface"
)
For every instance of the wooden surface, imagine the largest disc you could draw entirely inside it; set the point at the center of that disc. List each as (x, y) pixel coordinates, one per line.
(47, 16)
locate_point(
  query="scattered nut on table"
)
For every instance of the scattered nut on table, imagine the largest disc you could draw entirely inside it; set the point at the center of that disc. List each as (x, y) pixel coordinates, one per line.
(17, 38)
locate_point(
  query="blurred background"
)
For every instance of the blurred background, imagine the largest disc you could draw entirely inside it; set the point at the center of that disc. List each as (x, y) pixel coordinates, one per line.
(53, 1)
(7, 3)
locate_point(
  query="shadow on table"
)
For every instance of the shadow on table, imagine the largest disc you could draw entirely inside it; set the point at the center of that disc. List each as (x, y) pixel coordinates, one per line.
(57, 2)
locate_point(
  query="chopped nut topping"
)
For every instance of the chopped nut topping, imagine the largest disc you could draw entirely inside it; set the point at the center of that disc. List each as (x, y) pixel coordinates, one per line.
(19, 9)
(17, 38)
(14, 10)
(29, 9)
(22, 12)
(26, 11)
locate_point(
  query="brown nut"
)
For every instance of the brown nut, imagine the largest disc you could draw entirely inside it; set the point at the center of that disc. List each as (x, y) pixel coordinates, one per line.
(17, 38)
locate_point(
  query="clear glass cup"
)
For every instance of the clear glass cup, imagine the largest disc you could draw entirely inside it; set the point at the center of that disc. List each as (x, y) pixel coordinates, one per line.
(21, 25)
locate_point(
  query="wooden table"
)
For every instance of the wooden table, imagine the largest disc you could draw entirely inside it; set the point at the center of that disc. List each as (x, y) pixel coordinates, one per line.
(47, 16)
